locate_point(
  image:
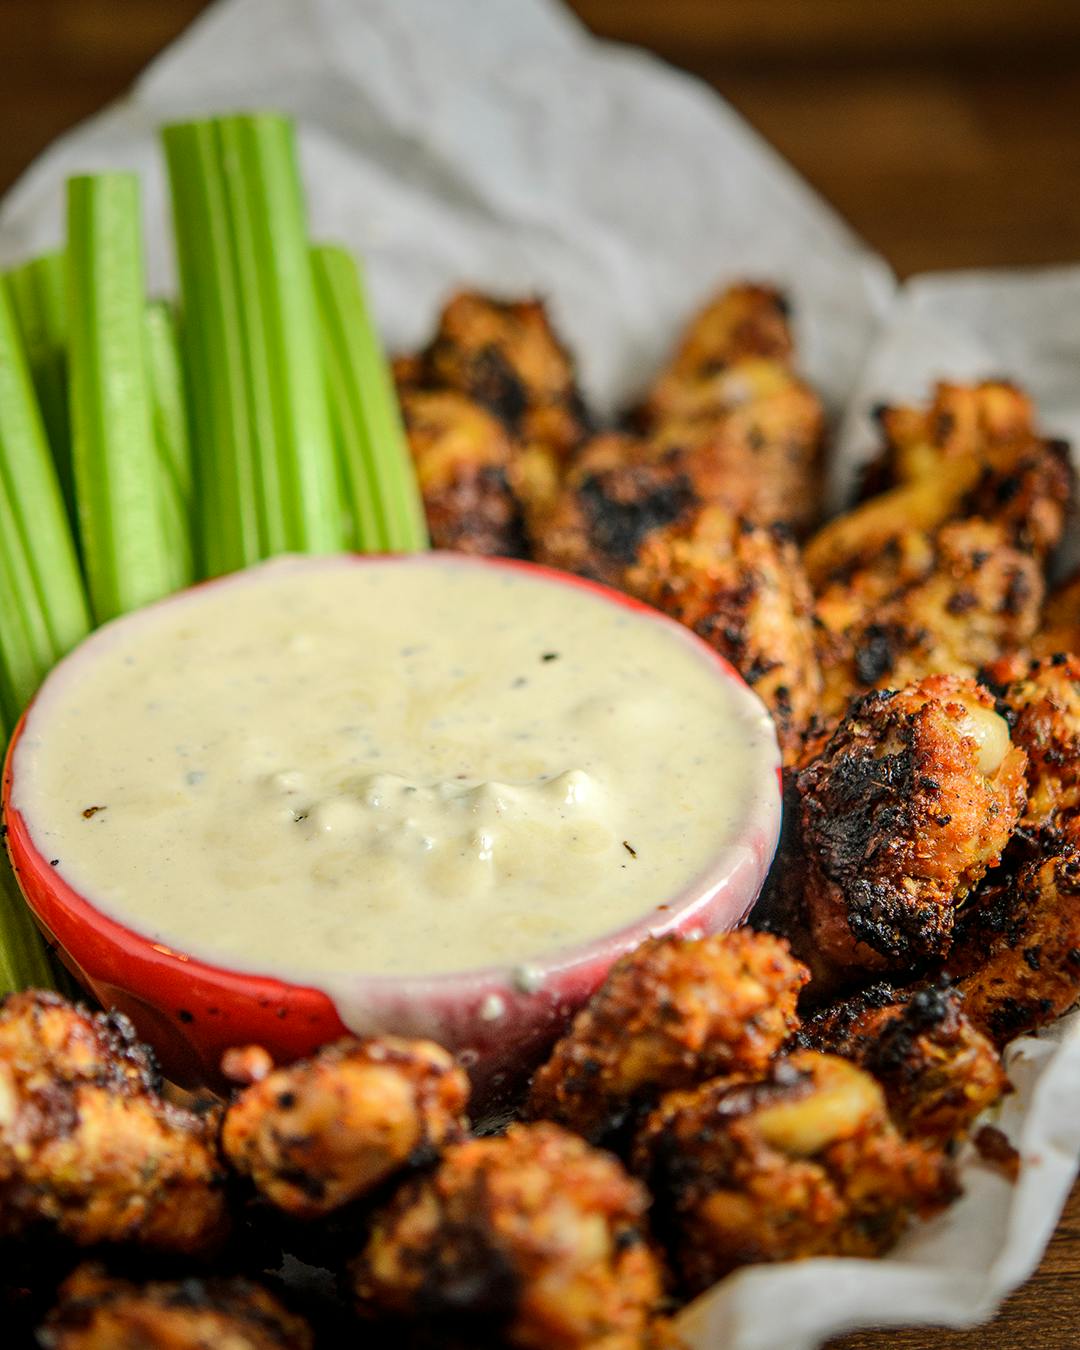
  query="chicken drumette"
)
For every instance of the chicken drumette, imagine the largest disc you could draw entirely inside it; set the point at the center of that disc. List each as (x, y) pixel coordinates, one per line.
(97, 1312)
(672, 1013)
(803, 1161)
(937, 1070)
(89, 1149)
(913, 798)
(532, 1239)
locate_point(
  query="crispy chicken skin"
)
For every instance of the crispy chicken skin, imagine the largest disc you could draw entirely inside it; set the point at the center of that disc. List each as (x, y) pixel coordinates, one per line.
(97, 1312)
(731, 399)
(613, 494)
(948, 602)
(533, 1234)
(914, 797)
(672, 1013)
(1016, 957)
(802, 1162)
(506, 356)
(741, 587)
(463, 459)
(89, 1149)
(327, 1130)
(1043, 705)
(937, 1071)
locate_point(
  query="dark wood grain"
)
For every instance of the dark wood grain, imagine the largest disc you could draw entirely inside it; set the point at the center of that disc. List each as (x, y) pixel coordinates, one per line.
(945, 131)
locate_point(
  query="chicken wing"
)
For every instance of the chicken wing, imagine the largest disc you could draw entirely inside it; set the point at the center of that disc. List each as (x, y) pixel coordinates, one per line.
(532, 1235)
(802, 1162)
(741, 587)
(914, 797)
(1060, 628)
(89, 1148)
(937, 1071)
(1016, 956)
(672, 1013)
(97, 1312)
(327, 1130)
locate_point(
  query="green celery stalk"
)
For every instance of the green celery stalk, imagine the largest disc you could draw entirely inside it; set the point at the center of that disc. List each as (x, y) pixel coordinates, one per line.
(377, 468)
(171, 437)
(117, 488)
(264, 450)
(24, 957)
(38, 291)
(43, 610)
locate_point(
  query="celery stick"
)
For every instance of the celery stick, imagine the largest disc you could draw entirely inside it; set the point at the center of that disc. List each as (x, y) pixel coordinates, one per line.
(38, 291)
(261, 423)
(171, 437)
(43, 611)
(115, 455)
(24, 957)
(388, 514)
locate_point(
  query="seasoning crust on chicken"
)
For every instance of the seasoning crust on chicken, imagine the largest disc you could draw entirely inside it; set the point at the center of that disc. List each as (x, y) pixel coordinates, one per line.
(1016, 958)
(915, 796)
(98, 1312)
(327, 1130)
(89, 1149)
(532, 1236)
(671, 1013)
(801, 1162)
(937, 1071)
(740, 587)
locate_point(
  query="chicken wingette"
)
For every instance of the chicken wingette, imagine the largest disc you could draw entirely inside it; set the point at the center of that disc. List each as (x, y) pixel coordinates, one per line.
(322, 1132)
(532, 1239)
(672, 1013)
(89, 1148)
(801, 1161)
(914, 797)
(938, 1072)
(99, 1312)
(740, 587)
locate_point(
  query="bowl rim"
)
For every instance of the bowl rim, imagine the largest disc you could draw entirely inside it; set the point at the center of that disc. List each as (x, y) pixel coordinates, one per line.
(676, 912)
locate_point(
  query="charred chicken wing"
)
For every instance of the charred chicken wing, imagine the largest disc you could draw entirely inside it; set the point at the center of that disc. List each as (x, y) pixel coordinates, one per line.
(89, 1149)
(802, 1162)
(96, 1312)
(741, 588)
(327, 1130)
(1060, 628)
(913, 798)
(937, 1071)
(674, 1012)
(1016, 958)
(532, 1234)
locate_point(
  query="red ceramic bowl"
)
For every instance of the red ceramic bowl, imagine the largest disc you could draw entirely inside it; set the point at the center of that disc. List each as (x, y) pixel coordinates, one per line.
(498, 1020)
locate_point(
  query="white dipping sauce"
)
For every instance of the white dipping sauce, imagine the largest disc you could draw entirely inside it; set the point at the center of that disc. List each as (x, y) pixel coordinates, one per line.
(393, 767)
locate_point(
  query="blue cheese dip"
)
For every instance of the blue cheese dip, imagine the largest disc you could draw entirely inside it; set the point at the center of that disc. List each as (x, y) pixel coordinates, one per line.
(324, 767)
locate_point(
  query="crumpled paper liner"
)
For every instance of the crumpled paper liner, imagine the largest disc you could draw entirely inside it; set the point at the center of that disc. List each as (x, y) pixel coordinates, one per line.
(497, 144)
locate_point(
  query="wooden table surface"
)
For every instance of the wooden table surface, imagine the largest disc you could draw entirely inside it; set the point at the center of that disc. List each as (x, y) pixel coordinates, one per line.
(945, 131)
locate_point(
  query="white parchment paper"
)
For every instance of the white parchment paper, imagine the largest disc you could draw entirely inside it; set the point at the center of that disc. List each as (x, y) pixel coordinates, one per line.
(493, 142)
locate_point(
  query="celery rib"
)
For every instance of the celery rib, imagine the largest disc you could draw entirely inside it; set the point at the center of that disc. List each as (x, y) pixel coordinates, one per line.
(171, 438)
(387, 510)
(115, 457)
(261, 422)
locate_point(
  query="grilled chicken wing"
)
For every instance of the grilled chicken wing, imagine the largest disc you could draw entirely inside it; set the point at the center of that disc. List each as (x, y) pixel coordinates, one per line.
(937, 1071)
(674, 1012)
(1016, 956)
(506, 356)
(89, 1149)
(913, 798)
(464, 460)
(327, 1130)
(1060, 628)
(741, 587)
(96, 1312)
(802, 1162)
(532, 1234)
(731, 399)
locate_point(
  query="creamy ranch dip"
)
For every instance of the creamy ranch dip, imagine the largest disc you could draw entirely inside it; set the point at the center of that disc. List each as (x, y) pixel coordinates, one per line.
(387, 767)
